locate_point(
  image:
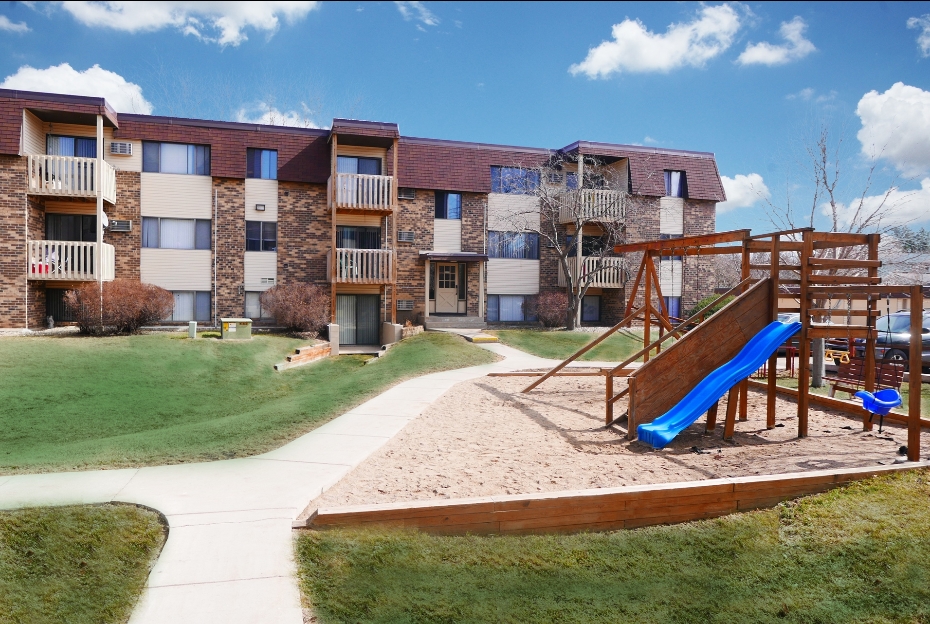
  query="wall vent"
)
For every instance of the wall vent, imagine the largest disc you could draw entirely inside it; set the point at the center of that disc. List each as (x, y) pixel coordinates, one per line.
(121, 148)
(406, 193)
(118, 225)
(405, 304)
(268, 281)
(405, 237)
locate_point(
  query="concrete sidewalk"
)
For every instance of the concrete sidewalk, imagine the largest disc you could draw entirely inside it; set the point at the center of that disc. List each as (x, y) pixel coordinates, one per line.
(229, 554)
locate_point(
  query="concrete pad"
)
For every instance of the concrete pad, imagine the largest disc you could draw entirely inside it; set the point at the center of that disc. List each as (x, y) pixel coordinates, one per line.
(274, 600)
(395, 407)
(211, 553)
(342, 450)
(365, 424)
(63, 488)
(228, 517)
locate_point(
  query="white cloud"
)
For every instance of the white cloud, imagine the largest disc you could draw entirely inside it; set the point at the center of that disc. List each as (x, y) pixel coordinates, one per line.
(900, 207)
(923, 39)
(804, 94)
(635, 49)
(7, 25)
(264, 113)
(795, 47)
(124, 96)
(896, 125)
(220, 22)
(743, 191)
(417, 11)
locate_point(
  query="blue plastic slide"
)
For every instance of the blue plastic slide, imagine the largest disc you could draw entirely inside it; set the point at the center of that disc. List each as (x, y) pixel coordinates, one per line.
(663, 429)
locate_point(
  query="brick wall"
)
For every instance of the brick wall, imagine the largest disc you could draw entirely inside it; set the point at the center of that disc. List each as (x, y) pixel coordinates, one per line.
(12, 241)
(304, 233)
(230, 246)
(127, 245)
(414, 215)
(699, 277)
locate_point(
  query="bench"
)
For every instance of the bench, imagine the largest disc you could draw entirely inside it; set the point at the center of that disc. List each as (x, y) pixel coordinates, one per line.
(850, 376)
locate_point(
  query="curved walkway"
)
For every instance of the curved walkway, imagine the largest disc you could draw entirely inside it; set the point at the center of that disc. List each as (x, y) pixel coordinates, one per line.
(229, 554)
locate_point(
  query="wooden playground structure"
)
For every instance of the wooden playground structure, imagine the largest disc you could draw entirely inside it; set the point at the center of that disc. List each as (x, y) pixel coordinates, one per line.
(825, 266)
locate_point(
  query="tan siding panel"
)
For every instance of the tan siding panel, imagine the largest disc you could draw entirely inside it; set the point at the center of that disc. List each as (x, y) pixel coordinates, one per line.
(258, 265)
(358, 150)
(33, 134)
(177, 269)
(175, 195)
(511, 213)
(671, 215)
(122, 163)
(670, 277)
(447, 235)
(261, 192)
(513, 277)
(358, 289)
(358, 220)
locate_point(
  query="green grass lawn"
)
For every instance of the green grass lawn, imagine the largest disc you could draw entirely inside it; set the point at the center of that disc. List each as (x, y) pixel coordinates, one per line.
(861, 554)
(80, 565)
(74, 402)
(559, 345)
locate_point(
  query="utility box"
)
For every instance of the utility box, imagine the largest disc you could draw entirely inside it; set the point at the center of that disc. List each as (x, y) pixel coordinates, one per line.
(236, 328)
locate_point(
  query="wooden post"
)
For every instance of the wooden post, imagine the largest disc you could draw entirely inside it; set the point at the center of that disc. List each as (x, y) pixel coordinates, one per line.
(394, 183)
(773, 316)
(712, 417)
(870, 320)
(647, 313)
(732, 400)
(744, 400)
(804, 347)
(609, 393)
(913, 387)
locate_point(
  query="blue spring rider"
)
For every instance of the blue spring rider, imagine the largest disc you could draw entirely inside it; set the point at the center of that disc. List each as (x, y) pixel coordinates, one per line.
(879, 403)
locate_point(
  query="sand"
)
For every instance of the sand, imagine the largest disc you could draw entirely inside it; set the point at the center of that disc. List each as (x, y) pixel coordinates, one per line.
(485, 437)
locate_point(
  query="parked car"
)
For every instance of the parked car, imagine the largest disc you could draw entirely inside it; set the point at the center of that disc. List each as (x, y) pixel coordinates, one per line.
(893, 339)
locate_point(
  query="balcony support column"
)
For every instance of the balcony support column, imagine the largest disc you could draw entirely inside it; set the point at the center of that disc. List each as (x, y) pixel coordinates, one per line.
(426, 291)
(98, 187)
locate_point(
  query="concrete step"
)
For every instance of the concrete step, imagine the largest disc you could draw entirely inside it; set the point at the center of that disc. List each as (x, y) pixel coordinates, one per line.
(454, 322)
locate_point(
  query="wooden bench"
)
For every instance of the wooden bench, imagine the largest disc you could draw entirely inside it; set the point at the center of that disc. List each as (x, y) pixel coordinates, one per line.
(850, 377)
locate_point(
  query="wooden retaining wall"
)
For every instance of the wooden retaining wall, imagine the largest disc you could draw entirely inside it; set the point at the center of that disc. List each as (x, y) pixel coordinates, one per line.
(305, 355)
(665, 379)
(600, 509)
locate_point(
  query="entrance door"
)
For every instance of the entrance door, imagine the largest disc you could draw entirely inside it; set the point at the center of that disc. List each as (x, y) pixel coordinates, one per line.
(447, 291)
(357, 317)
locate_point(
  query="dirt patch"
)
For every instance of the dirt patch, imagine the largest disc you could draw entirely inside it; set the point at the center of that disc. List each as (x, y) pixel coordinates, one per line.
(485, 437)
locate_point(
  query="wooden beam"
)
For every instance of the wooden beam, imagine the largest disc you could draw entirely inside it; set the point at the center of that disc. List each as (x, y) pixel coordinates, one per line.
(703, 240)
(838, 263)
(843, 279)
(804, 341)
(840, 237)
(837, 331)
(699, 251)
(914, 380)
(729, 424)
(764, 246)
(843, 312)
(712, 417)
(780, 233)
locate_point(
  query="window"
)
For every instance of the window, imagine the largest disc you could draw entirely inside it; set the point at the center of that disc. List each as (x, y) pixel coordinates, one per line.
(65, 227)
(261, 163)
(253, 306)
(160, 233)
(261, 236)
(591, 308)
(354, 164)
(514, 180)
(507, 308)
(590, 245)
(571, 180)
(57, 145)
(352, 237)
(675, 184)
(448, 205)
(191, 306)
(673, 305)
(513, 245)
(175, 158)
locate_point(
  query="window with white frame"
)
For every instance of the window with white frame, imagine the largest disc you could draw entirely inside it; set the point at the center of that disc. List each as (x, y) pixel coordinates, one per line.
(191, 306)
(514, 180)
(261, 236)
(175, 158)
(448, 205)
(253, 307)
(675, 184)
(161, 233)
(508, 308)
(513, 245)
(261, 163)
(591, 308)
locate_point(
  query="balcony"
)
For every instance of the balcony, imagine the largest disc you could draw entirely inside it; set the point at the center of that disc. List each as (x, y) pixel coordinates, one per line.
(356, 192)
(609, 275)
(362, 266)
(68, 261)
(593, 205)
(69, 176)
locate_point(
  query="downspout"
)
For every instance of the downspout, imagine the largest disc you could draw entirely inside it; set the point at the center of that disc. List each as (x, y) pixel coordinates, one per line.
(98, 180)
(215, 212)
(22, 142)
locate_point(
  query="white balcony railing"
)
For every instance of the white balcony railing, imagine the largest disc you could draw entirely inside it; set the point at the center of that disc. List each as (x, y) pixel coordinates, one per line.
(603, 272)
(362, 266)
(70, 176)
(593, 205)
(364, 192)
(68, 261)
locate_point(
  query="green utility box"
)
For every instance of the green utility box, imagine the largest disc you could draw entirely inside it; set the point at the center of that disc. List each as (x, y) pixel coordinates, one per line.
(236, 328)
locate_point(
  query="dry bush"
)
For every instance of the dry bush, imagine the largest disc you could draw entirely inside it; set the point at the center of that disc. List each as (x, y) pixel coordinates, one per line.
(549, 308)
(300, 307)
(128, 305)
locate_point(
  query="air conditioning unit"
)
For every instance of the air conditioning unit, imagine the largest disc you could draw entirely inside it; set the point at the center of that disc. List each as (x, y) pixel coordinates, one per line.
(268, 281)
(405, 304)
(118, 225)
(121, 148)
(405, 237)
(406, 193)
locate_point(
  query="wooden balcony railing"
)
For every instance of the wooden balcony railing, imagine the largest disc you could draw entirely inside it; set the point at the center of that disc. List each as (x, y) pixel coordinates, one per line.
(609, 275)
(593, 205)
(362, 266)
(69, 176)
(356, 191)
(68, 261)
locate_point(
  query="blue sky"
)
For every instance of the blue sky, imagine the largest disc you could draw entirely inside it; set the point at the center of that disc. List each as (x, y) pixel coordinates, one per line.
(750, 82)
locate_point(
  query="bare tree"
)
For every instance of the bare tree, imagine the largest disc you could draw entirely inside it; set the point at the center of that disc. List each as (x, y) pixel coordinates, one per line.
(569, 200)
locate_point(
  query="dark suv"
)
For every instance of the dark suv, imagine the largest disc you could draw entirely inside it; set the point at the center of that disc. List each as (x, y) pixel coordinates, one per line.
(893, 339)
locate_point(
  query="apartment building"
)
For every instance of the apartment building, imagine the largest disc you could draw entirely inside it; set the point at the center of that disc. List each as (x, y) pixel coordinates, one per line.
(398, 228)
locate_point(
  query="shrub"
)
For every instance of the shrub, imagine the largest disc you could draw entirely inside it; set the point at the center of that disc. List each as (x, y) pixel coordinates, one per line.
(127, 306)
(550, 308)
(706, 301)
(299, 307)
